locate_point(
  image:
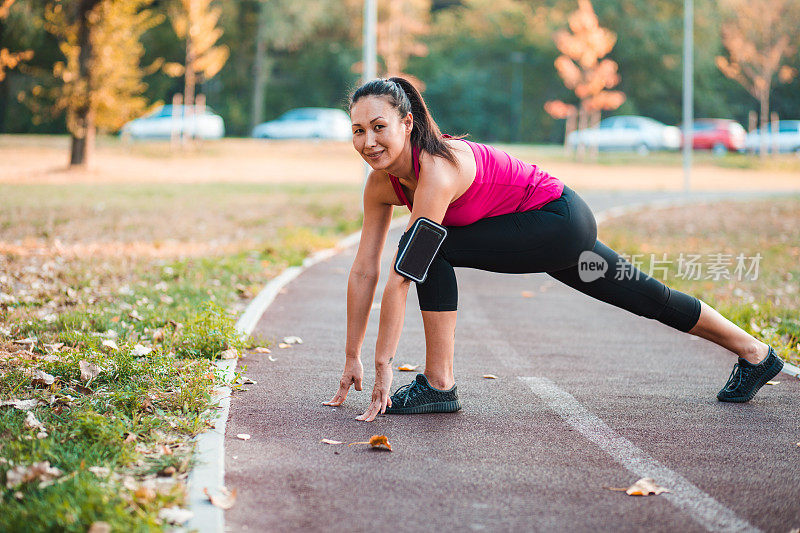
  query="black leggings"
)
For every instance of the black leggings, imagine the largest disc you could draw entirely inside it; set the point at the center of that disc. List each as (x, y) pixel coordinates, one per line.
(551, 239)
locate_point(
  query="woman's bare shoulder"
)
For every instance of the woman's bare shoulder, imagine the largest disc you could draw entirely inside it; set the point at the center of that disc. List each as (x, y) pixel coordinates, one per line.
(379, 188)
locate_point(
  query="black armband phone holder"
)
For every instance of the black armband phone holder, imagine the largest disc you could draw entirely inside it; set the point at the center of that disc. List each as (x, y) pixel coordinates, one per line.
(418, 246)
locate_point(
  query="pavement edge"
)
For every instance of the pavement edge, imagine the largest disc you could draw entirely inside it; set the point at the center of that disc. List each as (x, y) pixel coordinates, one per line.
(209, 454)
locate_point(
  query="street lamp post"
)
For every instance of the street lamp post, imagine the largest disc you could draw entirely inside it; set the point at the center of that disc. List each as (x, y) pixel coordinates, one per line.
(369, 60)
(688, 91)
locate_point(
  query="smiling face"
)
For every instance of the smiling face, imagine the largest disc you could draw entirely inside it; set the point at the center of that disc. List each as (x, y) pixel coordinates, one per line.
(380, 135)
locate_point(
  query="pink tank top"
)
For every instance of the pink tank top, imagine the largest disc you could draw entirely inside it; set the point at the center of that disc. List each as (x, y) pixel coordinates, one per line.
(503, 184)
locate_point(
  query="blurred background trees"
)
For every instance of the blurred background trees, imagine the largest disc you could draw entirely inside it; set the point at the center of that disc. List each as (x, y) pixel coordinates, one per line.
(759, 36)
(488, 66)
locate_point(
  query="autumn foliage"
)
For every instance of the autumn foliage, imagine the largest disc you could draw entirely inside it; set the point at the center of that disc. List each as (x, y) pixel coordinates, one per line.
(758, 35)
(8, 59)
(584, 68)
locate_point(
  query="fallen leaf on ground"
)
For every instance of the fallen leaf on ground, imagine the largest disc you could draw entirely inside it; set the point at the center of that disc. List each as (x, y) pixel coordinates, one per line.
(329, 441)
(273, 359)
(23, 474)
(230, 353)
(100, 471)
(527, 294)
(292, 340)
(175, 515)
(141, 351)
(30, 341)
(407, 368)
(144, 494)
(167, 471)
(772, 382)
(31, 422)
(99, 527)
(644, 487)
(110, 344)
(223, 501)
(130, 438)
(243, 436)
(158, 335)
(22, 405)
(261, 349)
(376, 441)
(53, 348)
(490, 376)
(283, 345)
(135, 315)
(42, 378)
(89, 371)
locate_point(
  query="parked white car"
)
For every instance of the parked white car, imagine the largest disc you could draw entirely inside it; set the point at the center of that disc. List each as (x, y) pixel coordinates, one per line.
(626, 132)
(787, 137)
(307, 123)
(166, 120)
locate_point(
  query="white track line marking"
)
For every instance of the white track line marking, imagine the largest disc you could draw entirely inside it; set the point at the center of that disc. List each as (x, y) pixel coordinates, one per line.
(698, 505)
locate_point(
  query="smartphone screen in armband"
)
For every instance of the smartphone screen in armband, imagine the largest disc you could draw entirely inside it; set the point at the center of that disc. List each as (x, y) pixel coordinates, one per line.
(418, 248)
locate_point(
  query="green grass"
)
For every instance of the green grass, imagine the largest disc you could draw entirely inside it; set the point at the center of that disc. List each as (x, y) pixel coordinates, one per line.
(183, 308)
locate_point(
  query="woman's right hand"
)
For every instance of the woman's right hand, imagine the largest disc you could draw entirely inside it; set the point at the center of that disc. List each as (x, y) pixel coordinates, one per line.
(353, 375)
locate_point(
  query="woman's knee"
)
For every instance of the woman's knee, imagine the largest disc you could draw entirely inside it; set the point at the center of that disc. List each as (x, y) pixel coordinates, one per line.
(439, 291)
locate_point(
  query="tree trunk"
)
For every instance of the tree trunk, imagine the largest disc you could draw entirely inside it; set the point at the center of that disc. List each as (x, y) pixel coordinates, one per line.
(82, 119)
(762, 138)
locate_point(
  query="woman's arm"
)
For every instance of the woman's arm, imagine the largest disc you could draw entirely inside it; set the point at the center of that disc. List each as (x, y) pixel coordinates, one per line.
(362, 282)
(435, 190)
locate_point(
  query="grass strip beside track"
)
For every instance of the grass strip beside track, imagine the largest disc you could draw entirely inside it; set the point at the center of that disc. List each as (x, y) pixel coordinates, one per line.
(144, 283)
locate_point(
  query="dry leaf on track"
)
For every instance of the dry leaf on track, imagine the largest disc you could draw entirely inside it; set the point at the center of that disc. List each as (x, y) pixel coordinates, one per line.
(293, 340)
(283, 345)
(243, 436)
(261, 349)
(527, 294)
(329, 441)
(407, 368)
(772, 382)
(379, 442)
(89, 371)
(644, 487)
(490, 376)
(223, 501)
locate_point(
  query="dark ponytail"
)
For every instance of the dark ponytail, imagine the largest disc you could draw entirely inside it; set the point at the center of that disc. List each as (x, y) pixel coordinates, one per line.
(406, 98)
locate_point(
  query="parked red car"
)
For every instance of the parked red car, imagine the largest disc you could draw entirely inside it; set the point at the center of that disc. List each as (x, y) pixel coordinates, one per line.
(718, 134)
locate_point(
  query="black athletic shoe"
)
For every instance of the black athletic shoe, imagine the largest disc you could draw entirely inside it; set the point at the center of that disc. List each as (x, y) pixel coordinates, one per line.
(419, 397)
(746, 378)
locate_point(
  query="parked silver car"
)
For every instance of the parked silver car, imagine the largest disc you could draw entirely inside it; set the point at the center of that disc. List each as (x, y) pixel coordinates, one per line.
(787, 138)
(307, 123)
(626, 132)
(170, 120)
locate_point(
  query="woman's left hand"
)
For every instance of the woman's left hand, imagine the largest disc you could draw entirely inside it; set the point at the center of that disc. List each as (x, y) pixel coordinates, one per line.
(380, 394)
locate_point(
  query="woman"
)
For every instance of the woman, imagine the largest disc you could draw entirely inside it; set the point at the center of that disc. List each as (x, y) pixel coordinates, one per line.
(502, 215)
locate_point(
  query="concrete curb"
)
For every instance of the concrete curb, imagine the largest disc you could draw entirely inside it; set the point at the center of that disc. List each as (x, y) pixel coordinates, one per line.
(209, 471)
